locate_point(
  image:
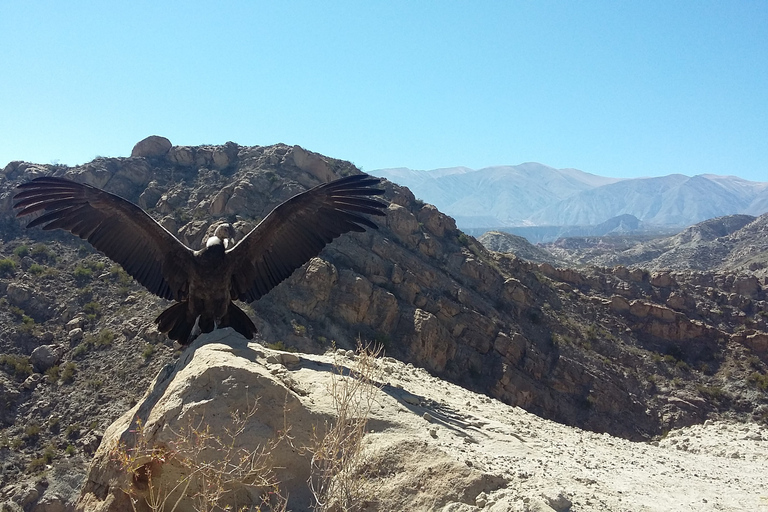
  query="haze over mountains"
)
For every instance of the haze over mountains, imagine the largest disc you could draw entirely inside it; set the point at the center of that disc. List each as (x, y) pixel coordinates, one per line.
(530, 196)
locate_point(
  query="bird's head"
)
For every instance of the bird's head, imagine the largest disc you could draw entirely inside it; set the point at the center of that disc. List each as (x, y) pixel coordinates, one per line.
(224, 234)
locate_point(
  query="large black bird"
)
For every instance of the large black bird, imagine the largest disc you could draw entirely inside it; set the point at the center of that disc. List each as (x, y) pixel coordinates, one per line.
(204, 283)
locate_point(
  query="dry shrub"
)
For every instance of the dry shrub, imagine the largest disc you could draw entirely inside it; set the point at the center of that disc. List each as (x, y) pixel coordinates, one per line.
(215, 473)
(336, 479)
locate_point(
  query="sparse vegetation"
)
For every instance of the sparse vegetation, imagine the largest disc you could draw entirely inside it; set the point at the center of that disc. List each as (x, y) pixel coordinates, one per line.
(53, 374)
(715, 393)
(42, 254)
(337, 453)
(72, 431)
(31, 431)
(7, 266)
(148, 352)
(92, 310)
(280, 345)
(759, 379)
(18, 366)
(68, 374)
(234, 479)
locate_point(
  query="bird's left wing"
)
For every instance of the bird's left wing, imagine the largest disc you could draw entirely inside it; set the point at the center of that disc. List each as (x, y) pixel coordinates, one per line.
(298, 229)
(118, 228)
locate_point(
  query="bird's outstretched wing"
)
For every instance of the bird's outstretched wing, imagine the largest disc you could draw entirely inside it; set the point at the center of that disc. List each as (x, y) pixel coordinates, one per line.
(298, 229)
(116, 227)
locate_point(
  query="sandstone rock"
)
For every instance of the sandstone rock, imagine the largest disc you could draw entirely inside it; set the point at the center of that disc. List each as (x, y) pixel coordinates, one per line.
(312, 163)
(662, 279)
(151, 195)
(403, 224)
(436, 222)
(758, 342)
(173, 199)
(152, 146)
(181, 155)
(619, 304)
(430, 343)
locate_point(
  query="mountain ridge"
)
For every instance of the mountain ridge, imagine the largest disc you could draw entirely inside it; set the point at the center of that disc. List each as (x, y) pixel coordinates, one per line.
(533, 194)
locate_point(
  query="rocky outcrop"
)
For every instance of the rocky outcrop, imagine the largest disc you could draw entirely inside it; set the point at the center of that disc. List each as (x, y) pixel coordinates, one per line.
(224, 388)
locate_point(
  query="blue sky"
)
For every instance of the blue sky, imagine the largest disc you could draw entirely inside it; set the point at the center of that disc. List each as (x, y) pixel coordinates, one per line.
(616, 88)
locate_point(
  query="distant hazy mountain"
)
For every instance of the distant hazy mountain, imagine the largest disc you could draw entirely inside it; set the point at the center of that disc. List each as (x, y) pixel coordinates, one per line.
(533, 194)
(501, 196)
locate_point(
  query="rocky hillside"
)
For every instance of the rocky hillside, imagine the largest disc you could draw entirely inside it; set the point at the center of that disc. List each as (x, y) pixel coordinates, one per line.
(628, 352)
(735, 243)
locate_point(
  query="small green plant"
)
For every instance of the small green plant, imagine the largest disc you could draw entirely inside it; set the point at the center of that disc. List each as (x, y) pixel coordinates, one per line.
(82, 275)
(39, 463)
(104, 338)
(682, 365)
(7, 266)
(94, 383)
(81, 349)
(280, 345)
(148, 352)
(68, 374)
(36, 269)
(715, 393)
(18, 366)
(120, 276)
(31, 431)
(27, 324)
(42, 253)
(92, 310)
(52, 374)
(72, 431)
(69, 450)
(759, 379)
(299, 330)
(21, 251)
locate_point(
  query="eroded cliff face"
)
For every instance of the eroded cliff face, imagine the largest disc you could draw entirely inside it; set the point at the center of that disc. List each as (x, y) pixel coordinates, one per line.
(611, 350)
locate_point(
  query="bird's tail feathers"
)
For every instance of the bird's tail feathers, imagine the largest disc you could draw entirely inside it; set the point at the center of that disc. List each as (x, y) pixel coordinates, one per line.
(177, 322)
(239, 321)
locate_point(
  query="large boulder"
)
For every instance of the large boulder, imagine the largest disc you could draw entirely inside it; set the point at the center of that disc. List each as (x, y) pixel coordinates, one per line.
(152, 146)
(231, 408)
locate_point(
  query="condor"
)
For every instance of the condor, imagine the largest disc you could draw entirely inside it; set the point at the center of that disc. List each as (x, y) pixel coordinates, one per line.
(204, 283)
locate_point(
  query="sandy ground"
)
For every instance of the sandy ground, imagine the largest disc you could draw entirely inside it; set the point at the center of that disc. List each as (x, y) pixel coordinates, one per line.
(549, 466)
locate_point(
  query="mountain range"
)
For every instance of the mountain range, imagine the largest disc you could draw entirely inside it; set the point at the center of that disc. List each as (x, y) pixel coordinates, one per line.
(535, 195)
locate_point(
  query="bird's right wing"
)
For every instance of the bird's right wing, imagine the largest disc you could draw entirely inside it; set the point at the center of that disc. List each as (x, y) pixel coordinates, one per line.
(118, 228)
(298, 229)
